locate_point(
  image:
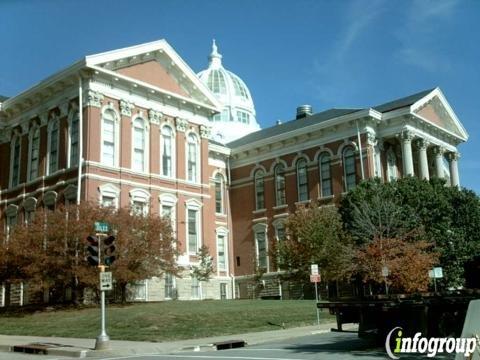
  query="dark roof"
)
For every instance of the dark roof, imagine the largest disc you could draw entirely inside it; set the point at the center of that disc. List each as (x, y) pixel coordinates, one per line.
(290, 126)
(400, 103)
(3, 98)
(323, 116)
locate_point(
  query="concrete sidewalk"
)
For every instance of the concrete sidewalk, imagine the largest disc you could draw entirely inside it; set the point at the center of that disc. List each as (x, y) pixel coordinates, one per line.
(81, 348)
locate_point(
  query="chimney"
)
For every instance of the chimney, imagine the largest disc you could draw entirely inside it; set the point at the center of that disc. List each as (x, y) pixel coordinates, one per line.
(304, 111)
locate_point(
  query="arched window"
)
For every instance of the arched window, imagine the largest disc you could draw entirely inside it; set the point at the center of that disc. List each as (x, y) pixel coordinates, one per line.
(349, 168)
(192, 159)
(219, 184)
(280, 185)
(324, 164)
(259, 190)
(302, 180)
(392, 173)
(108, 138)
(53, 135)
(261, 245)
(34, 153)
(15, 170)
(167, 151)
(139, 147)
(73, 139)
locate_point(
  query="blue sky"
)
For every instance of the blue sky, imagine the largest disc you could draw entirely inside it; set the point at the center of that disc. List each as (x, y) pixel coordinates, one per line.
(324, 53)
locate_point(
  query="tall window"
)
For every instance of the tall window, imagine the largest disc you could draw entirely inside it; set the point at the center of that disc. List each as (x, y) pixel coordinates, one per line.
(11, 223)
(302, 180)
(219, 194)
(167, 151)
(108, 136)
(34, 153)
(324, 164)
(169, 286)
(193, 239)
(138, 145)
(280, 185)
(195, 288)
(192, 158)
(53, 147)
(349, 168)
(221, 249)
(391, 165)
(261, 244)
(259, 190)
(74, 141)
(16, 161)
(280, 235)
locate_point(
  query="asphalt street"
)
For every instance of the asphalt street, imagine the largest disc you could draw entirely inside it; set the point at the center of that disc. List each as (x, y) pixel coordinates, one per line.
(317, 346)
(320, 346)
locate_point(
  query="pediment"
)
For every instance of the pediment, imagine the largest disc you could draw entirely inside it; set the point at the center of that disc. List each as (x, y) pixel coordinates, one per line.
(436, 111)
(154, 73)
(156, 64)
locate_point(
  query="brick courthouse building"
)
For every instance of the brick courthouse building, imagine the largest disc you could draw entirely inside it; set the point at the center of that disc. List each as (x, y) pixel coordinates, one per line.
(158, 138)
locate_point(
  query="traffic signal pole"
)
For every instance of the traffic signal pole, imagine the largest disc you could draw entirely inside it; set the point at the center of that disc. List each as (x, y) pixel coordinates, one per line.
(103, 340)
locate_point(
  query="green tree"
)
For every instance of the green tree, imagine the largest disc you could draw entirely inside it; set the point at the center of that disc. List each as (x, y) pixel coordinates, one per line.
(448, 216)
(315, 236)
(204, 270)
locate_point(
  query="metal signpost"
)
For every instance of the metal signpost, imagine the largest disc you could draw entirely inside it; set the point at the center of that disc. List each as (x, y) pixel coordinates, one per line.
(103, 340)
(385, 273)
(315, 278)
(436, 273)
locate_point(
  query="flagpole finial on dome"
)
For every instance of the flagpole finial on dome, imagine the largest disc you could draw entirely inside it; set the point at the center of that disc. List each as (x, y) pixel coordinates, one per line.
(215, 58)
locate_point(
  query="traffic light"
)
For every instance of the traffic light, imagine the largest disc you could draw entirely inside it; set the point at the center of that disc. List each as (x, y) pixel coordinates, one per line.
(92, 249)
(109, 250)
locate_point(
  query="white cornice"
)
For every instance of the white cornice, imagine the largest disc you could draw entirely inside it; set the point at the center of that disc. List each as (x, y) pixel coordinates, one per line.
(307, 129)
(219, 149)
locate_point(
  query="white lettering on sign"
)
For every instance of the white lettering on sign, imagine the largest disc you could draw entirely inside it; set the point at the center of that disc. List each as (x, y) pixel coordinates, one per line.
(106, 281)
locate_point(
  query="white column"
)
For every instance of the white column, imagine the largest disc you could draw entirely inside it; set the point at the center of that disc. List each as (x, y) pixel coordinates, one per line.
(422, 145)
(438, 151)
(406, 138)
(453, 159)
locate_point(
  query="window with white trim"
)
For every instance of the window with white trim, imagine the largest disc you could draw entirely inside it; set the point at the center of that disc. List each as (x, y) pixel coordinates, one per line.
(261, 247)
(259, 189)
(280, 235)
(168, 204)
(195, 288)
(280, 197)
(222, 251)
(108, 138)
(243, 117)
(139, 201)
(349, 168)
(302, 180)
(34, 153)
(324, 164)
(192, 158)
(139, 145)
(73, 139)
(169, 286)
(53, 143)
(15, 148)
(219, 185)
(108, 201)
(193, 231)
(11, 222)
(167, 151)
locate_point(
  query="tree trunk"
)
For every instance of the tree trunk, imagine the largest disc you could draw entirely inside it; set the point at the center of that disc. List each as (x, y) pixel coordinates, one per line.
(123, 292)
(7, 294)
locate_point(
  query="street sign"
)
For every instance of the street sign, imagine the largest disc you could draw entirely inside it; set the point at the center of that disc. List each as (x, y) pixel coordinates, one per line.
(106, 281)
(436, 273)
(101, 227)
(314, 269)
(385, 271)
(315, 278)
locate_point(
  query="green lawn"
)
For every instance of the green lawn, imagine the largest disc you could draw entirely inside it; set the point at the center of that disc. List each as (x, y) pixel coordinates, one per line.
(164, 321)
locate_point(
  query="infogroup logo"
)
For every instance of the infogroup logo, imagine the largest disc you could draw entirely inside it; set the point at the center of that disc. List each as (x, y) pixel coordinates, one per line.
(429, 346)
